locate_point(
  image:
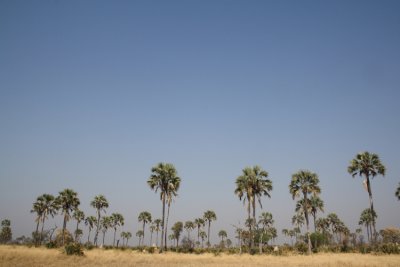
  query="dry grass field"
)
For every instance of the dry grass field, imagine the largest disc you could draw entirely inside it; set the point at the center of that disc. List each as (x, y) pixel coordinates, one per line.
(24, 256)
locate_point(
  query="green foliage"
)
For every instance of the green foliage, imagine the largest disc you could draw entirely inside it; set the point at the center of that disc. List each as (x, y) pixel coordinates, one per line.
(51, 244)
(301, 247)
(74, 249)
(388, 248)
(318, 239)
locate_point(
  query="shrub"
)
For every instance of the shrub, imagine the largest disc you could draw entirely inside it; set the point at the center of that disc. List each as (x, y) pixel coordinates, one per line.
(388, 248)
(74, 249)
(51, 244)
(301, 247)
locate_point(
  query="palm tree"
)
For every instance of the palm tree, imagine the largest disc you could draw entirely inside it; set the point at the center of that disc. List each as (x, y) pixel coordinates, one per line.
(316, 204)
(90, 222)
(398, 192)
(140, 234)
(298, 220)
(38, 208)
(105, 223)
(157, 223)
(266, 222)
(199, 222)
(302, 184)
(123, 235)
(68, 201)
(79, 216)
(164, 177)
(128, 236)
(368, 165)
(152, 228)
(285, 232)
(189, 226)
(116, 220)
(203, 236)
(322, 225)
(100, 203)
(252, 184)
(209, 216)
(177, 230)
(45, 205)
(366, 219)
(144, 217)
(222, 234)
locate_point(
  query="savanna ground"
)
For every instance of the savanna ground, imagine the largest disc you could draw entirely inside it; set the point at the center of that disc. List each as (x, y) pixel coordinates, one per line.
(25, 256)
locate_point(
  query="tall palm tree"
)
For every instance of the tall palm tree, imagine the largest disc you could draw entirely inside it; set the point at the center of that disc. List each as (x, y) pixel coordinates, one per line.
(157, 224)
(177, 230)
(199, 223)
(303, 184)
(100, 203)
(368, 165)
(144, 217)
(366, 219)
(209, 216)
(90, 221)
(152, 228)
(252, 185)
(79, 216)
(105, 225)
(398, 192)
(116, 220)
(165, 178)
(189, 226)
(48, 206)
(68, 201)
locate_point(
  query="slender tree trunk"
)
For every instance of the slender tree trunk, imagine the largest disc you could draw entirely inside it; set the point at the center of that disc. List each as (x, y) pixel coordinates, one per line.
(144, 224)
(37, 232)
(41, 233)
(315, 217)
(157, 238)
(166, 225)
(198, 234)
(115, 232)
(163, 222)
(250, 224)
(151, 238)
(371, 203)
(90, 229)
(208, 236)
(254, 221)
(76, 231)
(307, 223)
(64, 227)
(97, 228)
(104, 234)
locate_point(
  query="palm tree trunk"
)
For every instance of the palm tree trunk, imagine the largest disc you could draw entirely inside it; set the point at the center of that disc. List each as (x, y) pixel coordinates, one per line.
(254, 220)
(64, 227)
(37, 232)
(166, 225)
(198, 234)
(41, 233)
(90, 229)
(163, 222)
(144, 224)
(76, 231)
(156, 238)
(307, 223)
(104, 234)
(115, 232)
(249, 218)
(97, 228)
(371, 203)
(208, 236)
(151, 238)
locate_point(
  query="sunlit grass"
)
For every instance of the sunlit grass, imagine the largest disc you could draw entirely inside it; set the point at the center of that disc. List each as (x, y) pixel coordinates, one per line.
(24, 256)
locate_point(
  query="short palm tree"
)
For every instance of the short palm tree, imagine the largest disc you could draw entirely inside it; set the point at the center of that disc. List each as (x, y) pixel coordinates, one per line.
(45, 205)
(222, 234)
(199, 223)
(90, 221)
(366, 219)
(100, 203)
(140, 235)
(177, 230)
(116, 220)
(209, 216)
(316, 204)
(38, 208)
(189, 226)
(165, 178)
(303, 184)
(368, 165)
(144, 217)
(67, 201)
(157, 224)
(105, 223)
(203, 236)
(79, 216)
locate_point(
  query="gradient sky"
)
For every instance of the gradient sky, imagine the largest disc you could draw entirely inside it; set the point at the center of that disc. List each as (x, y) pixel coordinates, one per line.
(95, 93)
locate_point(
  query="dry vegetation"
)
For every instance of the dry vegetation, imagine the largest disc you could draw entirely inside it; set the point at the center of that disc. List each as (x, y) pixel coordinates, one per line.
(24, 256)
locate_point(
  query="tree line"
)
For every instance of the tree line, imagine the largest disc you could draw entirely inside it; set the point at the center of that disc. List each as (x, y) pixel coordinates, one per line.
(253, 184)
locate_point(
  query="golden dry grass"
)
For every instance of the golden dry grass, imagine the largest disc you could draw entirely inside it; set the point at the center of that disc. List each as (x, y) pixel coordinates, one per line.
(24, 256)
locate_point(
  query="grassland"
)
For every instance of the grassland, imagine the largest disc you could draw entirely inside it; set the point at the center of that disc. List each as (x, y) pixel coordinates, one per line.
(24, 256)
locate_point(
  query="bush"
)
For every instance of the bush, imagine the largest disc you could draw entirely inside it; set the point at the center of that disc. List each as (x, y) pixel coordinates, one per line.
(74, 249)
(51, 244)
(388, 248)
(301, 247)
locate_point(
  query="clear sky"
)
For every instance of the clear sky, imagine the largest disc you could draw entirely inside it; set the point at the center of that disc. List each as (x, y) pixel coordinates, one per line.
(95, 93)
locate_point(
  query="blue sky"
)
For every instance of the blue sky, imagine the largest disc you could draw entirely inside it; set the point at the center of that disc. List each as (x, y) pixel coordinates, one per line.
(95, 93)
